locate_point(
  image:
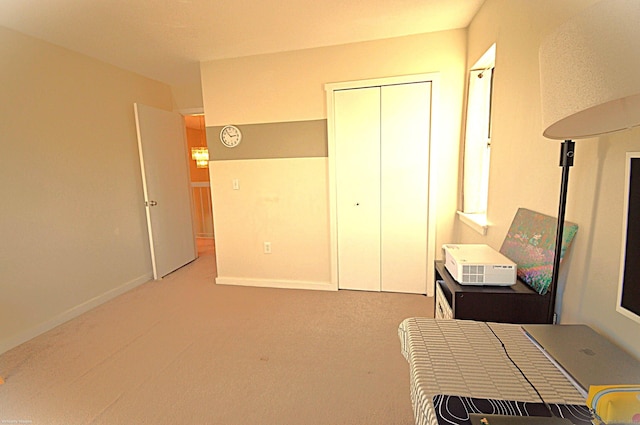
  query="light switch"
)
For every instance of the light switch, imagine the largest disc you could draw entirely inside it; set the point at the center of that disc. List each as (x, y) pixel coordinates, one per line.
(236, 184)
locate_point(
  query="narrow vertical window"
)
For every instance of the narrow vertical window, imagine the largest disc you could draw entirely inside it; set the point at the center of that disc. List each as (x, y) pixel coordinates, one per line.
(477, 145)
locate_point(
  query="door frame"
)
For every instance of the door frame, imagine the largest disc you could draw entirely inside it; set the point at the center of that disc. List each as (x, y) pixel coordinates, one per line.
(330, 88)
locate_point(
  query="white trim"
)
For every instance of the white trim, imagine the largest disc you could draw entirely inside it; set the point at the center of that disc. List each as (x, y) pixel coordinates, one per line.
(71, 313)
(330, 88)
(385, 81)
(282, 284)
(477, 222)
(434, 141)
(333, 211)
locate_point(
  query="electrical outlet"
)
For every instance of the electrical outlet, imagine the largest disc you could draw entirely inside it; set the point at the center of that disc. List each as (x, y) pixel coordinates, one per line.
(267, 247)
(236, 184)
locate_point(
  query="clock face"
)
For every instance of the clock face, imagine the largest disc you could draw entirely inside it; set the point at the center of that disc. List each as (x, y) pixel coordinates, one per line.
(230, 136)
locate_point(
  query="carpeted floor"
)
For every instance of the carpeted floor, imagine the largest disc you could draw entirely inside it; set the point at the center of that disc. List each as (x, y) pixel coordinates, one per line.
(186, 351)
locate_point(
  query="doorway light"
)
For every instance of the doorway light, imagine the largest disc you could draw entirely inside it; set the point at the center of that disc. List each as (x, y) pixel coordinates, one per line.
(201, 156)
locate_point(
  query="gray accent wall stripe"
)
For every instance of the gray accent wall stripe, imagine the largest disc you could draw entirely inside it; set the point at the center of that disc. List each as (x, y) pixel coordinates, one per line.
(295, 139)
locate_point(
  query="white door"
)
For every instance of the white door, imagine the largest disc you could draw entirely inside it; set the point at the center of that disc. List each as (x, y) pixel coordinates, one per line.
(382, 139)
(404, 151)
(358, 190)
(167, 196)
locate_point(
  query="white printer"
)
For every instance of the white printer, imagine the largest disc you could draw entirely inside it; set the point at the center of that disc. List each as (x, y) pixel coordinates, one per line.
(479, 264)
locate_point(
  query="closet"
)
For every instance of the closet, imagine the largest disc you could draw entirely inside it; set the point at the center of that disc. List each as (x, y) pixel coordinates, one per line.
(380, 137)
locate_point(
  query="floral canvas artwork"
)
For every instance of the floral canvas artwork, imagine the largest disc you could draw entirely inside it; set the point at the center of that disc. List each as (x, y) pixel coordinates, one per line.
(530, 243)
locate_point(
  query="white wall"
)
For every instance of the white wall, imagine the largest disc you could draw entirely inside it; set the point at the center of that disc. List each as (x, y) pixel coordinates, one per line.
(289, 213)
(187, 98)
(289, 86)
(525, 172)
(72, 217)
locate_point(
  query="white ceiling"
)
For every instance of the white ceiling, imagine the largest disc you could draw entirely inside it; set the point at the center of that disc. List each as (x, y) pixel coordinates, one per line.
(166, 39)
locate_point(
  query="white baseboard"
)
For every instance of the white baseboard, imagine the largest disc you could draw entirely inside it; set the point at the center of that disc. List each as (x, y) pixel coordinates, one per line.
(76, 311)
(282, 284)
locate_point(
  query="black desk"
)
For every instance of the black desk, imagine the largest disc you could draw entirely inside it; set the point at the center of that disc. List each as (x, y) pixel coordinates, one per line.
(505, 304)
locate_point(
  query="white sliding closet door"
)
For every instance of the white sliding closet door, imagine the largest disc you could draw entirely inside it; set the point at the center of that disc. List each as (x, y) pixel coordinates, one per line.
(358, 191)
(382, 137)
(405, 136)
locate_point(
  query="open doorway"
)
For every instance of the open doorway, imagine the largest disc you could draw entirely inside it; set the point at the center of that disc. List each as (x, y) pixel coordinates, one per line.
(200, 185)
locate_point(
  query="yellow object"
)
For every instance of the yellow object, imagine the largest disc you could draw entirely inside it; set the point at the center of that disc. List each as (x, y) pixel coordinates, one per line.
(615, 404)
(1, 380)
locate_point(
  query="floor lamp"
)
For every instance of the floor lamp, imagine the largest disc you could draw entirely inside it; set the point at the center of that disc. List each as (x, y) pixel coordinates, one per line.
(590, 85)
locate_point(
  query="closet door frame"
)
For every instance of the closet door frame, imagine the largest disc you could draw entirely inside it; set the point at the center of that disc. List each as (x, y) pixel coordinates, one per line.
(330, 88)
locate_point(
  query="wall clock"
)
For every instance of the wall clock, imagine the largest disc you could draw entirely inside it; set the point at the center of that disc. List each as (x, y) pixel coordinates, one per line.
(230, 136)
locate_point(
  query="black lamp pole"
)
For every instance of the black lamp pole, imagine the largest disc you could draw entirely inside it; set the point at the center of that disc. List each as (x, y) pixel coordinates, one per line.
(566, 161)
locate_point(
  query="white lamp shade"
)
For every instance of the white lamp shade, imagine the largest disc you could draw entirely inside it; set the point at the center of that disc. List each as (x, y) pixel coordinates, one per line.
(590, 72)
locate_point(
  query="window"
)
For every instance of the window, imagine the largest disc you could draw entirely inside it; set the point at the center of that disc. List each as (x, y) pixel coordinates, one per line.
(477, 145)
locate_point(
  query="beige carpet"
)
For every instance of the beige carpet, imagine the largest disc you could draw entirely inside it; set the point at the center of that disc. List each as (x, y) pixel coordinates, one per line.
(186, 351)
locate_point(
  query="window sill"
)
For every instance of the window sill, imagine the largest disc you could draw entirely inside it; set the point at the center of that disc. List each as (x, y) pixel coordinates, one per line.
(477, 222)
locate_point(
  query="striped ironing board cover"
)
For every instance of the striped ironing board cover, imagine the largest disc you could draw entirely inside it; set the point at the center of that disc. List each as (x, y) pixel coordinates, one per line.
(465, 358)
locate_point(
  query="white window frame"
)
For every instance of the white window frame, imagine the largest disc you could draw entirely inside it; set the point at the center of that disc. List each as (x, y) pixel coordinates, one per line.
(477, 145)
